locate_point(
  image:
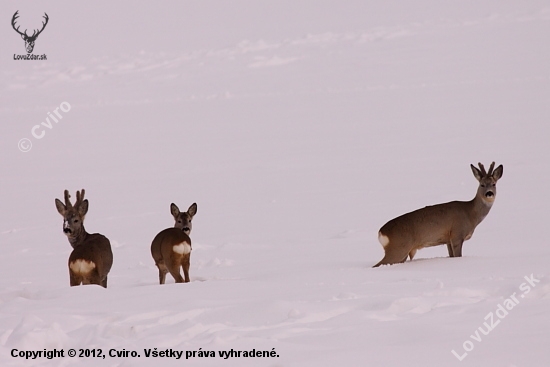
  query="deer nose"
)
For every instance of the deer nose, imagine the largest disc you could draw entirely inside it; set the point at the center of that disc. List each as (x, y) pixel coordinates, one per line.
(66, 230)
(489, 194)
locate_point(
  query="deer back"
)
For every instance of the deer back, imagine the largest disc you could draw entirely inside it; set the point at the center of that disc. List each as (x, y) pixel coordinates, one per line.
(95, 249)
(169, 244)
(431, 225)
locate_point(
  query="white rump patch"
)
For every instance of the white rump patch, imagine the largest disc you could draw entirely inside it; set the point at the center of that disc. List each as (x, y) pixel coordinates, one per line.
(183, 248)
(383, 239)
(82, 267)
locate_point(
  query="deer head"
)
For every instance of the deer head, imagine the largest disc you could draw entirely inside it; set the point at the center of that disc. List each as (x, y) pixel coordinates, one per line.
(29, 40)
(73, 216)
(183, 219)
(487, 181)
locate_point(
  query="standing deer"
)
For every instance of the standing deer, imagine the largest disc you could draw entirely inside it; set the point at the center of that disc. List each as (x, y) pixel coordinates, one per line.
(29, 40)
(171, 248)
(92, 258)
(449, 223)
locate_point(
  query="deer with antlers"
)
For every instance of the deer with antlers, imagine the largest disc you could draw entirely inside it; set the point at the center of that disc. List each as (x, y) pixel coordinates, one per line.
(92, 258)
(444, 224)
(29, 40)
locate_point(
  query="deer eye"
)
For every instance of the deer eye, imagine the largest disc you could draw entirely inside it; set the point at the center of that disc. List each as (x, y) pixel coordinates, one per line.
(76, 220)
(179, 221)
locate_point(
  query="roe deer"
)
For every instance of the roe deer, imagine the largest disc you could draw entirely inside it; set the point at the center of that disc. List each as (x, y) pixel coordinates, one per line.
(171, 248)
(92, 258)
(449, 223)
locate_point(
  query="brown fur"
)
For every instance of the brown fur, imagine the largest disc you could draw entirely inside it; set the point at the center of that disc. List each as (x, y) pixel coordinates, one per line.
(162, 247)
(91, 251)
(449, 223)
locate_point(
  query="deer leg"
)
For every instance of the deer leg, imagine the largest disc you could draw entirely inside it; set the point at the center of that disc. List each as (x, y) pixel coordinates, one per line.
(176, 274)
(94, 278)
(73, 280)
(456, 247)
(162, 272)
(174, 269)
(450, 249)
(392, 257)
(162, 276)
(412, 253)
(99, 276)
(384, 261)
(185, 265)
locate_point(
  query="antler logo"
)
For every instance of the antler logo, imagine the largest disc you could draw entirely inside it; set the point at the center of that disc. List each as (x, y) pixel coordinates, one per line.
(29, 40)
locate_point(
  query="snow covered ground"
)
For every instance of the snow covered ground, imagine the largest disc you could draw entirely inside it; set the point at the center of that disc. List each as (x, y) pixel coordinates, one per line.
(299, 128)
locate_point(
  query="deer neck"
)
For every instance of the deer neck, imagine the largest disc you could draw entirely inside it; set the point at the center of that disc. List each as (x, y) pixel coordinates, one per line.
(78, 238)
(480, 208)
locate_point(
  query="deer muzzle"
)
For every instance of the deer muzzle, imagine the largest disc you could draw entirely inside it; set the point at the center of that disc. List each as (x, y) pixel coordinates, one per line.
(66, 228)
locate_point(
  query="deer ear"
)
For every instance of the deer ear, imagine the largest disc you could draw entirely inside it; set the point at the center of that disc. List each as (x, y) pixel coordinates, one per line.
(192, 210)
(497, 174)
(83, 208)
(477, 173)
(61, 208)
(174, 210)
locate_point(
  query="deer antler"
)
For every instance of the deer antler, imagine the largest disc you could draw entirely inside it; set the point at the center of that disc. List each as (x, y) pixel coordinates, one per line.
(491, 169)
(67, 200)
(79, 198)
(43, 26)
(482, 169)
(15, 16)
(34, 34)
